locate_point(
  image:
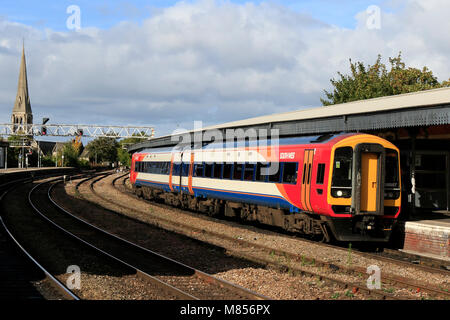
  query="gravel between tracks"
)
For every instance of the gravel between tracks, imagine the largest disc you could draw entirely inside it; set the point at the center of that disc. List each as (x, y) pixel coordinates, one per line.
(101, 278)
(249, 278)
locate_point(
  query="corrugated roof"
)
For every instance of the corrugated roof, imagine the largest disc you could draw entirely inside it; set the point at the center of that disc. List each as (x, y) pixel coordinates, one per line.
(429, 107)
(403, 101)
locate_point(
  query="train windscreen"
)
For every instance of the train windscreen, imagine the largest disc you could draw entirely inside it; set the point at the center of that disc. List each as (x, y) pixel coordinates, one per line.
(341, 185)
(391, 178)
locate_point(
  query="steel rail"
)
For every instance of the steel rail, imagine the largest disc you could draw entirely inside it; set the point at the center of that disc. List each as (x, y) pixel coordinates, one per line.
(58, 285)
(382, 294)
(355, 270)
(379, 256)
(200, 274)
(142, 274)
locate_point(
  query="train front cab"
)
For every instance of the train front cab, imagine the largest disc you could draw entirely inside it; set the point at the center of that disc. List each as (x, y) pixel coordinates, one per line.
(364, 194)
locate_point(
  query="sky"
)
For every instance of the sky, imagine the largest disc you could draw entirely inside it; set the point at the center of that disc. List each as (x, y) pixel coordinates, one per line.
(169, 63)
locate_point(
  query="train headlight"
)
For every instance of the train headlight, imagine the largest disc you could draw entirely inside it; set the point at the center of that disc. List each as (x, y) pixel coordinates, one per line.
(341, 193)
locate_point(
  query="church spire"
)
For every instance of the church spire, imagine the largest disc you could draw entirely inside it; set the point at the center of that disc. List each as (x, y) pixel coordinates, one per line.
(22, 113)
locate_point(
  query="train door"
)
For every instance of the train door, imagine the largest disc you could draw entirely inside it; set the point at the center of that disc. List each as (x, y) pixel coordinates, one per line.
(368, 182)
(175, 172)
(182, 164)
(306, 180)
(186, 166)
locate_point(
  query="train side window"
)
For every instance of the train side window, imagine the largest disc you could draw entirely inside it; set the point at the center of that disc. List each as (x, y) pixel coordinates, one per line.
(208, 170)
(238, 170)
(227, 170)
(167, 168)
(185, 169)
(261, 172)
(159, 167)
(217, 174)
(249, 171)
(198, 170)
(304, 174)
(320, 173)
(275, 176)
(290, 170)
(176, 169)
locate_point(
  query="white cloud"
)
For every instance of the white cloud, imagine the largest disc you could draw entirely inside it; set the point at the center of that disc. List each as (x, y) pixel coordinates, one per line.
(211, 61)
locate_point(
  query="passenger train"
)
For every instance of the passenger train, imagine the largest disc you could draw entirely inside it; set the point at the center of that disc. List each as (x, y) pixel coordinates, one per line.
(343, 187)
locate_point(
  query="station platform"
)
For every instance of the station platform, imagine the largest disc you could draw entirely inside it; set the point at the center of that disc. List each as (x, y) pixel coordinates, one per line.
(427, 235)
(30, 169)
(15, 173)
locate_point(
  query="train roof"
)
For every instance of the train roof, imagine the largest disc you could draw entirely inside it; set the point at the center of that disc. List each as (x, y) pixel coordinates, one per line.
(317, 139)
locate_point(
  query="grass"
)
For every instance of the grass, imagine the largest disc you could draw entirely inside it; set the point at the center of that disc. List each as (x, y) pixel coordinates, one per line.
(390, 290)
(335, 295)
(349, 294)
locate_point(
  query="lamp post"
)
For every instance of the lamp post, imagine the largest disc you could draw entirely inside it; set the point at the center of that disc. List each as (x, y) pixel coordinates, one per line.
(22, 164)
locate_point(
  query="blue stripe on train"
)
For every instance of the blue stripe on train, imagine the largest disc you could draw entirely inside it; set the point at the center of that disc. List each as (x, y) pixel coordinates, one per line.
(226, 195)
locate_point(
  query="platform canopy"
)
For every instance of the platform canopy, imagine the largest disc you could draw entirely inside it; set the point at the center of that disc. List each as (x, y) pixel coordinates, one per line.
(424, 108)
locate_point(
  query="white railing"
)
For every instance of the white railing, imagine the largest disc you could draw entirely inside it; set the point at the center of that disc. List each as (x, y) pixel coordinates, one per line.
(64, 130)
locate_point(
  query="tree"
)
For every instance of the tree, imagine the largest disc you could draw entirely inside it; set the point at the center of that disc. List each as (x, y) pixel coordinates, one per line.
(103, 149)
(376, 81)
(13, 153)
(71, 154)
(123, 156)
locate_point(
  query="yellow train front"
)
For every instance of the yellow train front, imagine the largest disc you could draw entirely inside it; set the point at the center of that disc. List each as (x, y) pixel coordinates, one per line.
(344, 186)
(364, 189)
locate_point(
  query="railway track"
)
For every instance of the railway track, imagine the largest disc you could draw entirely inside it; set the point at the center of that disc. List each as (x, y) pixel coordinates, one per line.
(354, 287)
(427, 263)
(182, 281)
(19, 270)
(388, 280)
(386, 254)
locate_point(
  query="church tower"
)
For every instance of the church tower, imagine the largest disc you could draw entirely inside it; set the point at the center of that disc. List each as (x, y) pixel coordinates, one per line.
(22, 114)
